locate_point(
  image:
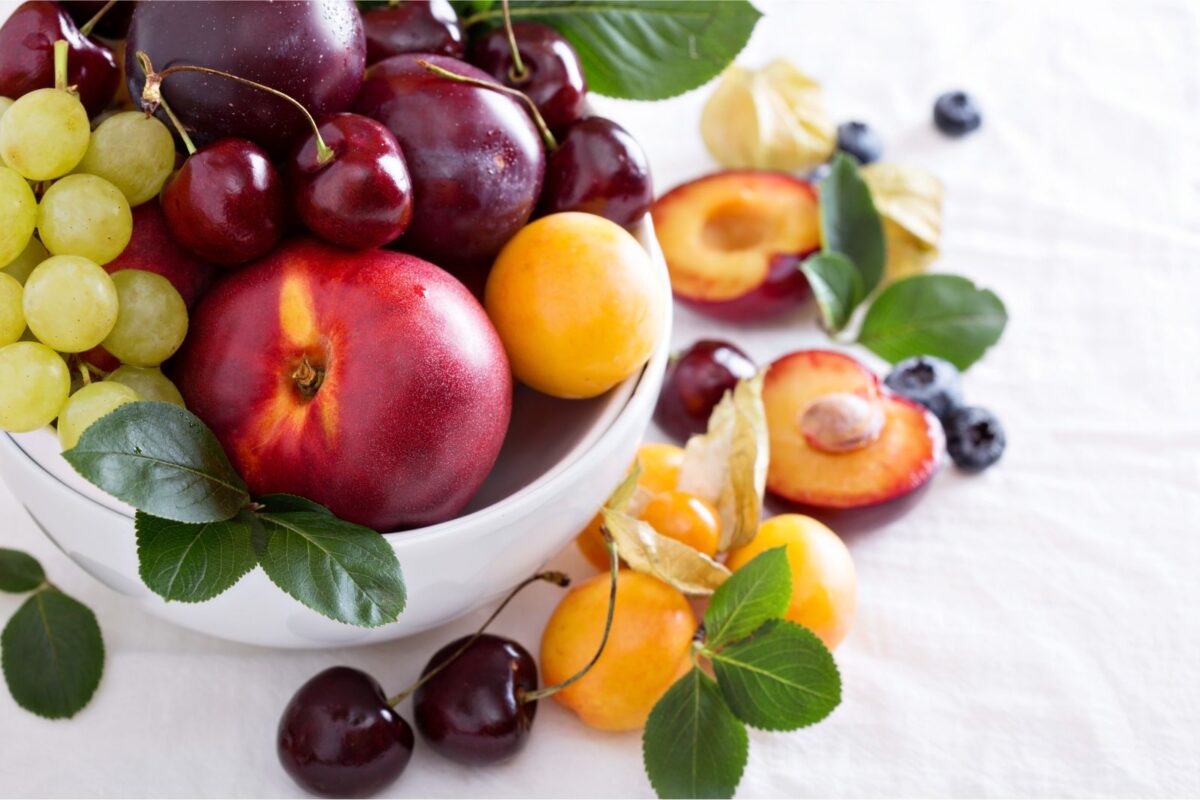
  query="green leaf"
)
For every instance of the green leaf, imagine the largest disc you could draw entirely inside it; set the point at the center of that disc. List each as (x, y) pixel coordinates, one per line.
(52, 654)
(648, 50)
(836, 285)
(850, 224)
(280, 503)
(780, 679)
(939, 315)
(344, 571)
(193, 561)
(693, 746)
(757, 592)
(19, 572)
(160, 459)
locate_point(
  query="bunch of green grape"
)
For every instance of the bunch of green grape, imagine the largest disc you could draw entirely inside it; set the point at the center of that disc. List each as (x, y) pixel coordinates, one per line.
(66, 190)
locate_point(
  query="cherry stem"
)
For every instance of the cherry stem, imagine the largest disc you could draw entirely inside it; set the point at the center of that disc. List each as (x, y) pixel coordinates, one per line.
(61, 49)
(543, 128)
(86, 30)
(152, 98)
(324, 152)
(551, 576)
(614, 562)
(518, 72)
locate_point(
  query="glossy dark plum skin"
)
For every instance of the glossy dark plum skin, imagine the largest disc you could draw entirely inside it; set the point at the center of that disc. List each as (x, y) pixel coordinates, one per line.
(471, 711)
(598, 168)
(314, 52)
(226, 204)
(413, 26)
(695, 382)
(338, 736)
(27, 56)
(362, 197)
(475, 158)
(554, 79)
(113, 25)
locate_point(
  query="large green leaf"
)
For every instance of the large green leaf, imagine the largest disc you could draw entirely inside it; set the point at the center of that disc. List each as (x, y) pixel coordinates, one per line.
(52, 654)
(692, 745)
(19, 572)
(939, 315)
(836, 286)
(757, 592)
(344, 571)
(194, 561)
(851, 225)
(160, 459)
(780, 679)
(647, 50)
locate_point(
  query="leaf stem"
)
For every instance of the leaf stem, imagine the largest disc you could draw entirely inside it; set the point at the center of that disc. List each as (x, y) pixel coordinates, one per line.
(61, 49)
(324, 152)
(543, 128)
(557, 578)
(86, 30)
(614, 564)
(517, 72)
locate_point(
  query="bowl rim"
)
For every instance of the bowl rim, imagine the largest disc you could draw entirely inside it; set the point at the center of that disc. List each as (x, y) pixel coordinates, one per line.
(532, 494)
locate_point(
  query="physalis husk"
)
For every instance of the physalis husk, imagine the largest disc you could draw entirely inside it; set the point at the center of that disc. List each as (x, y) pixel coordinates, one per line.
(910, 201)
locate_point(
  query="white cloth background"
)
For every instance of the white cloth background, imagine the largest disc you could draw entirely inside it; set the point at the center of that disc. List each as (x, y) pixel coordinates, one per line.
(1031, 631)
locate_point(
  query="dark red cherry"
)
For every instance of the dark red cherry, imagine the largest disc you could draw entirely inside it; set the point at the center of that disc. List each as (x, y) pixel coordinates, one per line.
(475, 158)
(362, 197)
(413, 26)
(696, 380)
(226, 203)
(338, 736)
(598, 168)
(554, 76)
(27, 56)
(472, 710)
(113, 25)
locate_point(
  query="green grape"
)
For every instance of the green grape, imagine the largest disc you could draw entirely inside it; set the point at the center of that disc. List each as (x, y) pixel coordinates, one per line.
(82, 215)
(5, 104)
(151, 322)
(133, 152)
(88, 405)
(34, 381)
(18, 210)
(44, 134)
(33, 254)
(70, 303)
(149, 383)
(12, 318)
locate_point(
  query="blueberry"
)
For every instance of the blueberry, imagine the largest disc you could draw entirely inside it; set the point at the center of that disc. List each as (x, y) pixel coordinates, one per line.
(930, 381)
(974, 437)
(956, 114)
(859, 140)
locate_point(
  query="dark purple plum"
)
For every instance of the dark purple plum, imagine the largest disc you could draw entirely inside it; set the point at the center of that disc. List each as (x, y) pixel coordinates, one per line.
(598, 168)
(27, 56)
(553, 77)
(475, 157)
(338, 736)
(472, 711)
(314, 52)
(413, 26)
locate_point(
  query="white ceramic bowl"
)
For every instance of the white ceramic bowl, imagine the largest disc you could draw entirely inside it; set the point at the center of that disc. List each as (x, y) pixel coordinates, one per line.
(560, 461)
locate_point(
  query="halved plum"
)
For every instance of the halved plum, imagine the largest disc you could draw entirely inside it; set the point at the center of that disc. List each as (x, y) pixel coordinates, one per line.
(904, 453)
(734, 241)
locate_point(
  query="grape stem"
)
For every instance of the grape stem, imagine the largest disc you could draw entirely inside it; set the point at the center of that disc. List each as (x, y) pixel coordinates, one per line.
(325, 153)
(517, 71)
(543, 128)
(86, 30)
(614, 564)
(551, 576)
(152, 98)
(61, 49)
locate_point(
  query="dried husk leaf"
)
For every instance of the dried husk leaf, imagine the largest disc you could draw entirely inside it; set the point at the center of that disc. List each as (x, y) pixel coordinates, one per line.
(630, 497)
(910, 201)
(727, 465)
(773, 118)
(672, 562)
